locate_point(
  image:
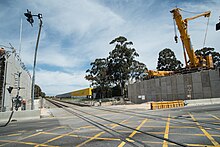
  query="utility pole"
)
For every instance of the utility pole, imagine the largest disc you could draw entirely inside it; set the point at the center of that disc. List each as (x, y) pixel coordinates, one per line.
(31, 21)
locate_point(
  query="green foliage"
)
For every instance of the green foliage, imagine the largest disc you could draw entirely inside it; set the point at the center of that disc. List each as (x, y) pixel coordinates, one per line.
(137, 70)
(208, 50)
(98, 76)
(117, 69)
(167, 61)
(38, 92)
(121, 59)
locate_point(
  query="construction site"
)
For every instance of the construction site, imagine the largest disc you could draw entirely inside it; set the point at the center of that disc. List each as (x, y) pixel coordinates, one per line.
(178, 107)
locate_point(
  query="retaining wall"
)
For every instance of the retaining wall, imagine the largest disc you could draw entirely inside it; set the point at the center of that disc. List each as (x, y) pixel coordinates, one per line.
(199, 85)
(14, 66)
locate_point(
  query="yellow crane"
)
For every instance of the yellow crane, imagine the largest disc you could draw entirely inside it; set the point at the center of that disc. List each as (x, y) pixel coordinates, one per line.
(182, 24)
(153, 73)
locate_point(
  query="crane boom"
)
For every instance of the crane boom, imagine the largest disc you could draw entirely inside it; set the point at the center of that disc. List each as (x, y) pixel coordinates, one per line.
(195, 61)
(205, 14)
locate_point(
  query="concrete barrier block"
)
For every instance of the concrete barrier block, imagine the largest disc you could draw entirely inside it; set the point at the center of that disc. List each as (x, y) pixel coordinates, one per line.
(205, 79)
(214, 75)
(158, 97)
(163, 87)
(164, 97)
(215, 86)
(175, 97)
(181, 96)
(157, 82)
(168, 81)
(216, 94)
(215, 100)
(197, 102)
(180, 79)
(197, 96)
(187, 79)
(173, 81)
(196, 77)
(180, 88)
(207, 92)
(169, 91)
(197, 87)
(169, 97)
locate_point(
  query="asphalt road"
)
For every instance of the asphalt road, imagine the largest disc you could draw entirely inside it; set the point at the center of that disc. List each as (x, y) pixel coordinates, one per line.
(192, 126)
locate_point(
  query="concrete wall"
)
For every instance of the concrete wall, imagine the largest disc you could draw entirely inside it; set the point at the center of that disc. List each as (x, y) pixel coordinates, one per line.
(198, 85)
(13, 66)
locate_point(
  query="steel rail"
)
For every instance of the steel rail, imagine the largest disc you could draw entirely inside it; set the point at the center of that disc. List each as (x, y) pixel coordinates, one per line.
(96, 124)
(148, 134)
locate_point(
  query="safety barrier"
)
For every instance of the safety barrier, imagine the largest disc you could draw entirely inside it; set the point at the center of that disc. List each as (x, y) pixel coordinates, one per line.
(167, 104)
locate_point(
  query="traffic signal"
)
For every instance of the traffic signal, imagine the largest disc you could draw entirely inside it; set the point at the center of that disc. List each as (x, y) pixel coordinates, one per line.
(218, 26)
(10, 89)
(29, 17)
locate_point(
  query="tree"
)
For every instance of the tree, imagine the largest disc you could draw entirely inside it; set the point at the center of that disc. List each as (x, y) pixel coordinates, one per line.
(113, 73)
(208, 50)
(38, 92)
(97, 75)
(138, 71)
(121, 59)
(167, 61)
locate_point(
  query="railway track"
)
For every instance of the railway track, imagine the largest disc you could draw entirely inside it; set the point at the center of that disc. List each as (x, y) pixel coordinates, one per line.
(175, 120)
(75, 110)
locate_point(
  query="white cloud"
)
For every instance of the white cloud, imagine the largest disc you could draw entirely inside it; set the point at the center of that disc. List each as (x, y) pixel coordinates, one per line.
(60, 82)
(77, 32)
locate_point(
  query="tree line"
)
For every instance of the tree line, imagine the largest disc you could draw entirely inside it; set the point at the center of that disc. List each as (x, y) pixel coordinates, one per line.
(109, 76)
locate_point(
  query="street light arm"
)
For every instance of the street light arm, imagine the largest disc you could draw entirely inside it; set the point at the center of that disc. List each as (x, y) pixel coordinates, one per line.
(30, 19)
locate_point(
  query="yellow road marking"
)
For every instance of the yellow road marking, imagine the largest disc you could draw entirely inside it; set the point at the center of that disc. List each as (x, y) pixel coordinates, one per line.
(22, 138)
(14, 134)
(80, 136)
(55, 138)
(166, 134)
(205, 132)
(99, 134)
(153, 127)
(134, 132)
(199, 145)
(215, 117)
(187, 127)
(22, 142)
(32, 135)
(22, 131)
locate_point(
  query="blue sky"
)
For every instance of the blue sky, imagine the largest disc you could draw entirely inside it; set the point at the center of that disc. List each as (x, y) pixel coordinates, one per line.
(76, 32)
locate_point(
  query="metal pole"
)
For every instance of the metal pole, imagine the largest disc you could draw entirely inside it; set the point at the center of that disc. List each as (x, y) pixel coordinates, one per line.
(35, 56)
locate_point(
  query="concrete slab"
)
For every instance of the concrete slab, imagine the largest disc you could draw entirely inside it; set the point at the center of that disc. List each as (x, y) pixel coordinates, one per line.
(203, 102)
(207, 92)
(196, 77)
(20, 115)
(197, 95)
(179, 79)
(214, 75)
(197, 87)
(205, 79)
(180, 89)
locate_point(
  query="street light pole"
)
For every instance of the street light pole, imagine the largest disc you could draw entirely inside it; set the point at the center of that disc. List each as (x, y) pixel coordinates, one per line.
(30, 19)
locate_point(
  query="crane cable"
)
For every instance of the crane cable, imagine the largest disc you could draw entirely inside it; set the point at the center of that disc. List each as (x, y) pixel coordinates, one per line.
(206, 26)
(191, 12)
(206, 33)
